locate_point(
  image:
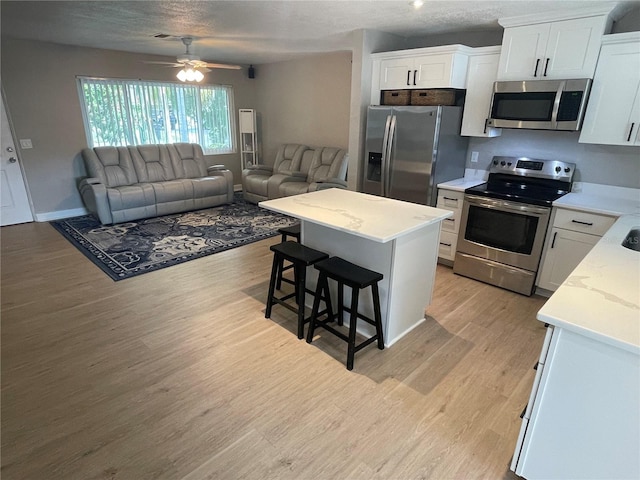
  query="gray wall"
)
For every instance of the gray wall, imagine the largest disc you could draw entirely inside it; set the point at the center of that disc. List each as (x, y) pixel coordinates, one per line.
(304, 101)
(604, 164)
(39, 81)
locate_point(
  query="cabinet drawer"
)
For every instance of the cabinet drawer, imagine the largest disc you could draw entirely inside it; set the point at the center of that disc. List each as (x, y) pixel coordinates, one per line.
(591, 223)
(451, 224)
(449, 199)
(447, 247)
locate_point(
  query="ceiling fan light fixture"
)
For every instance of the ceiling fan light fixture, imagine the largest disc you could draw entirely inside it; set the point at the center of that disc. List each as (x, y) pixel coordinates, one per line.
(190, 75)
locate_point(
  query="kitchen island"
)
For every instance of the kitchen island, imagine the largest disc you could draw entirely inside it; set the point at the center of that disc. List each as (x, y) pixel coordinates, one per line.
(583, 416)
(395, 238)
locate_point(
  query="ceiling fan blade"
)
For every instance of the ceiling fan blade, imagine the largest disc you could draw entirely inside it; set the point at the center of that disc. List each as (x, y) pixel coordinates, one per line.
(223, 65)
(170, 64)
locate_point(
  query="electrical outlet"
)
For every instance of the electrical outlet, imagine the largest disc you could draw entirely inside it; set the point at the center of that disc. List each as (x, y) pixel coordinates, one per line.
(26, 143)
(474, 157)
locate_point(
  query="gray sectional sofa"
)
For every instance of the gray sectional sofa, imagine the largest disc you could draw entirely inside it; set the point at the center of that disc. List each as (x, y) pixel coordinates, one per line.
(129, 183)
(296, 169)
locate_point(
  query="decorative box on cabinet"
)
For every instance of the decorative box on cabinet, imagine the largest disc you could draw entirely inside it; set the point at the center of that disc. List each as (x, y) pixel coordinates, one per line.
(248, 138)
(481, 74)
(548, 46)
(419, 68)
(449, 200)
(613, 112)
(571, 237)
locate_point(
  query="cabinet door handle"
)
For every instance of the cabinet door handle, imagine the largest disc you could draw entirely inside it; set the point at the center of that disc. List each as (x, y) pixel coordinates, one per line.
(630, 130)
(449, 198)
(588, 224)
(535, 72)
(546, 65)
(553, 242)
(409, 78)
(445, 244)
(486, 120)
(415, 74)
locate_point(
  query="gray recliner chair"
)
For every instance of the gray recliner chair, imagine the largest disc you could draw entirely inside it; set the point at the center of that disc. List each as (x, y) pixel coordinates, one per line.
(257, 179)
(326, 168)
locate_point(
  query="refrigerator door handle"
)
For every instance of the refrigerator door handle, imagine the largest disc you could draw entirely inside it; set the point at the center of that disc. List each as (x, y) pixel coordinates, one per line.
(383, 166)
(387, 173)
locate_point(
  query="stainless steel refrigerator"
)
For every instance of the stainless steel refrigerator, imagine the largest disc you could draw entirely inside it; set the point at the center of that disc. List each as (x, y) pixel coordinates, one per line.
(409, 150)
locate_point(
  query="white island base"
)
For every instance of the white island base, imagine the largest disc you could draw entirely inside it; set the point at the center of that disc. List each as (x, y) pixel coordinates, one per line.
(397, 239)
(408, 264)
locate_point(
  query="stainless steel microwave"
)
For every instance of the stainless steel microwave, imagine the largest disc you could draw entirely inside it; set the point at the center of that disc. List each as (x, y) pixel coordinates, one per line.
(539, 104)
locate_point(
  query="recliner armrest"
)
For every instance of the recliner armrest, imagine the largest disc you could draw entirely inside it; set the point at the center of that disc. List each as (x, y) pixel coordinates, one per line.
(258, 169)
(94, 196)
(327, 183)
(216, 168)
(291, 176)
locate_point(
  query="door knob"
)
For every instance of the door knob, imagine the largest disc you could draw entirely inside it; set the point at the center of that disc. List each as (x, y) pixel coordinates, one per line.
(13, 160)
(9, 149)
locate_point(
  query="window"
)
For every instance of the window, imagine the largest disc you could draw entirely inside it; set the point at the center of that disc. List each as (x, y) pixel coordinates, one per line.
(132, 112)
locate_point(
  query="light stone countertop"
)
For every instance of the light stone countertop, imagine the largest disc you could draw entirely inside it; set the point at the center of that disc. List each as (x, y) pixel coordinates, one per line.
(602, 199)
(471, 179)
(369, 216)
(601, 297)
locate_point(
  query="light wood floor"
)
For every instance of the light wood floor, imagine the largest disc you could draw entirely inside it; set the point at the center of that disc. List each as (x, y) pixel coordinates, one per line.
(176, 374)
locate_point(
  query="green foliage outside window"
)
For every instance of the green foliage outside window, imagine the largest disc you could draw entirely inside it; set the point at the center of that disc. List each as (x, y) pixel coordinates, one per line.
(130, 112)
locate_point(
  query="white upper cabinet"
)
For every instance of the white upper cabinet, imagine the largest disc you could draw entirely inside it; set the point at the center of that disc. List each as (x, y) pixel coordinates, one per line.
(482, 72)
(533, 48)
(433, 67)
(613, 111)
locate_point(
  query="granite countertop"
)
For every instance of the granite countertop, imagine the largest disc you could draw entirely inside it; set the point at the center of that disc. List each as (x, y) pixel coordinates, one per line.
(601, 199)
(369, 216)
(601, 297)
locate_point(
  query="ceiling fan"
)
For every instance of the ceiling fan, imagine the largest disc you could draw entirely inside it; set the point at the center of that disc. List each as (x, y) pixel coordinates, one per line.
(191, 65)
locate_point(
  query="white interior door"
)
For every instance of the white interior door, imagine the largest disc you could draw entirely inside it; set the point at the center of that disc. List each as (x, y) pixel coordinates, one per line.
(15, 201)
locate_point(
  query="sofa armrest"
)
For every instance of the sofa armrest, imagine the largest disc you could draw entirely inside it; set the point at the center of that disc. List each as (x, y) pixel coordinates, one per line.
(215, 168)
(94, 196)
(291, 176)
(327, 183)
(258, 169)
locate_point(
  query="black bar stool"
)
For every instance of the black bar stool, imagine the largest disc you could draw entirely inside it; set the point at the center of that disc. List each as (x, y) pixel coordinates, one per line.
(301, 257)
(356, 277)
(294, 232)
(291, 231)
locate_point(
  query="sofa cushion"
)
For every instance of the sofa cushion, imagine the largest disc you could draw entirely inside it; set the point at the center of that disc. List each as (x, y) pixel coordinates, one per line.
(288, 157)
(131, 196)
(329, 162)
(152, 163)
(187, 160)
(111, 165)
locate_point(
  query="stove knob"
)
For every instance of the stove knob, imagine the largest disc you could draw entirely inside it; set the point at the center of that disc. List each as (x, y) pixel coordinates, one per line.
(503, 163)
(558, 169)
(509, 163)
(567, 169)
(495, 162)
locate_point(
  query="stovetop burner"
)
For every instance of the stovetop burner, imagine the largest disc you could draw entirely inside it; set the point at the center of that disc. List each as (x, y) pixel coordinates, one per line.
(526, 180)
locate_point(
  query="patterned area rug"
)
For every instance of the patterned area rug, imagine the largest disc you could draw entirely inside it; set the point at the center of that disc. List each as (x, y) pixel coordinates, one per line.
(128, 249)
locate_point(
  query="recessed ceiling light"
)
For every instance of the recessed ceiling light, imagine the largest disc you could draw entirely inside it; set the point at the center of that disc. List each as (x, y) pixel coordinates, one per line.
(417, 3)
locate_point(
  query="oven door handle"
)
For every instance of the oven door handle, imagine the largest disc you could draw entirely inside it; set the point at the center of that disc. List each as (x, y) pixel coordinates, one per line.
(506, 205)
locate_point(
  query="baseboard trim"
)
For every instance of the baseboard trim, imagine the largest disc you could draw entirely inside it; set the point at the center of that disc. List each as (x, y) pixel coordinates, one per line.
(58, 214)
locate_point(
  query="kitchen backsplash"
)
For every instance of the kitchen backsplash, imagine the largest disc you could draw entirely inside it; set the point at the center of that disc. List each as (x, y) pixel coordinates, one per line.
(602, 164)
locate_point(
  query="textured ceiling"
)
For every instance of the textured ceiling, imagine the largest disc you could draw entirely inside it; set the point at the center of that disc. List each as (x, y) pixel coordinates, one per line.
(254, 31)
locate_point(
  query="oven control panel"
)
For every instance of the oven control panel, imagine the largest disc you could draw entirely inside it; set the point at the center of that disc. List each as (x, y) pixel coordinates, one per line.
(533, 167)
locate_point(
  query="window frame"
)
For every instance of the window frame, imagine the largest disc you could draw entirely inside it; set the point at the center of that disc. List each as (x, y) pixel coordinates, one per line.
(127, 82)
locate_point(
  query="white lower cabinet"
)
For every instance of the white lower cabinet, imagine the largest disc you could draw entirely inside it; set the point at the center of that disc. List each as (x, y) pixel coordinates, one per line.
(572, 236)
(449, 200)
(583, 420)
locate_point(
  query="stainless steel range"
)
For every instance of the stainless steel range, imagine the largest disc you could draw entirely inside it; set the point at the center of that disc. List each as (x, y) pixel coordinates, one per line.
(504, 221)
